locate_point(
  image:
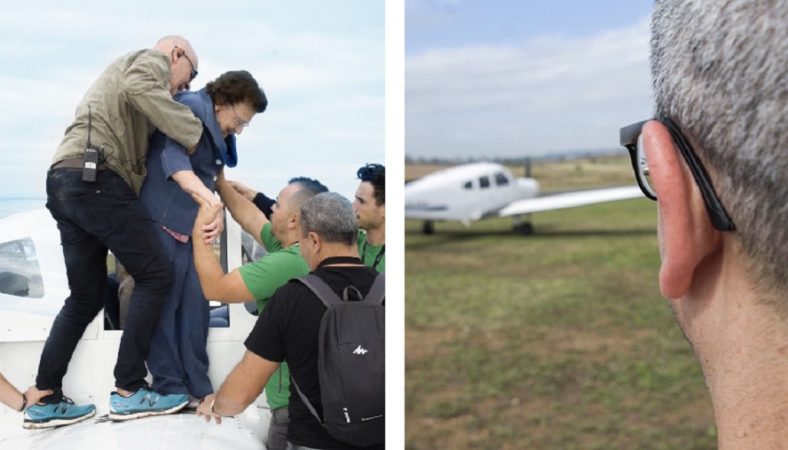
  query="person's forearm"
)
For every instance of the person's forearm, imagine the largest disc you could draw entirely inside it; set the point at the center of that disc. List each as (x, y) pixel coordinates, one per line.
(225, 406)
(243, 211)
(243, 385)
(216, 285)
(191, 184)
(208, 269)
(10, 396)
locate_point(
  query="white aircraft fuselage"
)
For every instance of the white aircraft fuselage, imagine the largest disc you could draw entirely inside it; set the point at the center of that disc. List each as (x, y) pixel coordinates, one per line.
(466, 193)
(477, 191)
(33, 287)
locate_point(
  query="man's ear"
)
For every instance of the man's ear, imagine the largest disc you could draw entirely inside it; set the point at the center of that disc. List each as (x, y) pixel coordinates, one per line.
(292, 222)
(686, 234)
(315, 240)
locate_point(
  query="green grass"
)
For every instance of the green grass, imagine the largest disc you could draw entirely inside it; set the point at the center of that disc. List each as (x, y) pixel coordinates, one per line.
(556, 340)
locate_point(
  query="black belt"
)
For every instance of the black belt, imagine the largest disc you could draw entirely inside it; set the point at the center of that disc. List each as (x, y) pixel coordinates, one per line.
(74, 163)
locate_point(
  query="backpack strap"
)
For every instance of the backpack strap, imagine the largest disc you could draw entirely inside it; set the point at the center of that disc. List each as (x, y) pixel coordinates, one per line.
(377, 293)
(321, 290)
(348, 290)
(306, 400)
(328, 298)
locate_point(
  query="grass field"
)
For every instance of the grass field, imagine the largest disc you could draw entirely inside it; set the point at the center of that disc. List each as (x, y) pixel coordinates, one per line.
(556, 340)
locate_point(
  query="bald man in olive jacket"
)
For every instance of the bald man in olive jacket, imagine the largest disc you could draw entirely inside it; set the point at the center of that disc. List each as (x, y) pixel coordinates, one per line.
(95, 203)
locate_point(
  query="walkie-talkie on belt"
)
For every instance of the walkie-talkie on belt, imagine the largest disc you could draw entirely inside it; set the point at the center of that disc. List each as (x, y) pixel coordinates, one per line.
(90, 158)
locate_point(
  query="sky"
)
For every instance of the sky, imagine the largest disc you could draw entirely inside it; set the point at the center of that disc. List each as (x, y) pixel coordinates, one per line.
(509, 78)
(321, 64)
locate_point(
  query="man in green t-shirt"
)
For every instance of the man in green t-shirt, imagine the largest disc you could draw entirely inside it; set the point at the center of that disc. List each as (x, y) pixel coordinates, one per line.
(258, 280)
(369, 205)
(370, 208)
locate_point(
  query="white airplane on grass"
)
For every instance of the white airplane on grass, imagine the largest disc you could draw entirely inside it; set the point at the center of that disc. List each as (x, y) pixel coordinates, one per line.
(33, 286)
(475, 191)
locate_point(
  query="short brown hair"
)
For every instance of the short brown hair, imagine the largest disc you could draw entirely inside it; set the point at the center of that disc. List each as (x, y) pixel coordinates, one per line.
(237, 86)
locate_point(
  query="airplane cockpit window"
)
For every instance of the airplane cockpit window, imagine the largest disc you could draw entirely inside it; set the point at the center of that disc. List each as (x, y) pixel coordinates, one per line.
(468, 185)
(484, 182)
(20, 274)
(500, 179)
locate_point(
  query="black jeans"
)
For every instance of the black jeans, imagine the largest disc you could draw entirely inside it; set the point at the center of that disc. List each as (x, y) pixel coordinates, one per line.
(94, 217)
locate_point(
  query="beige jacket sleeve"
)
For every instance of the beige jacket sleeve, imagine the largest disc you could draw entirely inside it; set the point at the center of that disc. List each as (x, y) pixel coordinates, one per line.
(146, 83)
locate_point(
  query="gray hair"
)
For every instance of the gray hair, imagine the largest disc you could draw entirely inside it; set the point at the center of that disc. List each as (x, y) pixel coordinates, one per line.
(331, 216)
(719, 71)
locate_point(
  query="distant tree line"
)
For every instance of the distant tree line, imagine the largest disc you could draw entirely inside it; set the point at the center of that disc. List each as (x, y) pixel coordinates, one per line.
(568, 155)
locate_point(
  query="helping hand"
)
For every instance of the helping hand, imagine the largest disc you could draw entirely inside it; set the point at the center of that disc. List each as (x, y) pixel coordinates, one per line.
(213, 230)
(33, 395)
(207, 216)
(204, 409)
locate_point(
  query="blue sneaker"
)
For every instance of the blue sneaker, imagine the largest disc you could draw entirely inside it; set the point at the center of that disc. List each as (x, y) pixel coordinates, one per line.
(57, 414)
(145, 402)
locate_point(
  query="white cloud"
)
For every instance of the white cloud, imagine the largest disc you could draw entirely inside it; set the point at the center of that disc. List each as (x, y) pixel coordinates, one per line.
(321, 65)
(546, 94)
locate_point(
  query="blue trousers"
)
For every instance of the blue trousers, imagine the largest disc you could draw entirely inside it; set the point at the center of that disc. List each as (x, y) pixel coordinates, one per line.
(94, 217)
(178, 359)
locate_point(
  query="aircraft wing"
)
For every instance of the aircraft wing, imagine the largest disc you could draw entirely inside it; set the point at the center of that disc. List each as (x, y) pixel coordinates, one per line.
(570, 200)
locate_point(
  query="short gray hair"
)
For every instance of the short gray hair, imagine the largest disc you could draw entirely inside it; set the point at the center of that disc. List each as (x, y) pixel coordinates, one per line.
(331, 216)
(719, 71)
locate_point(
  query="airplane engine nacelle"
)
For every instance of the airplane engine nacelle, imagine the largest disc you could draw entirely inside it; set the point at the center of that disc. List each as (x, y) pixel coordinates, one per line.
(527, 187)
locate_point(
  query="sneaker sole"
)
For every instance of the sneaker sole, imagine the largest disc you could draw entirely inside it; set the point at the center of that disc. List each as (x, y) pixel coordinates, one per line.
(121, 417)
(30, 425)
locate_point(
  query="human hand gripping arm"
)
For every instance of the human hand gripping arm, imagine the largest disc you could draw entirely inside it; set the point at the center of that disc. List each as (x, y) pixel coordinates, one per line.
(216, 285)
(251, 219)
(192, 185)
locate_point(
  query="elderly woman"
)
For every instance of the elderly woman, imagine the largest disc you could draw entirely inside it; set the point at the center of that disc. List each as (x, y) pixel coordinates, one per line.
(178, 359)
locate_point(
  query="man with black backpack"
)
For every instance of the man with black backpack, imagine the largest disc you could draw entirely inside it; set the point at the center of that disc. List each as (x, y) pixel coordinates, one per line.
(335, 352)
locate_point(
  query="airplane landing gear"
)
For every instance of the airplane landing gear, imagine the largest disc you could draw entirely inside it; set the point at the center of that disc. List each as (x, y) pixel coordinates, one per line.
(524, 228)
(428, 227)
(523, 225)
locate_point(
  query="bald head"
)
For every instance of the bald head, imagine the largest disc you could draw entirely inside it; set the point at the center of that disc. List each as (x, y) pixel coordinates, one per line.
(183, 61)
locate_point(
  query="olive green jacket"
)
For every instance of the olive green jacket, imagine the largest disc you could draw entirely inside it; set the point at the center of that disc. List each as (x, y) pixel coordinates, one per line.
(128, 102)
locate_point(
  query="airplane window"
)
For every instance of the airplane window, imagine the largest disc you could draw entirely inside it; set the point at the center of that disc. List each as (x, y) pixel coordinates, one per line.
(500, 179)
(20, 274)
(468, 185)
(484, 182)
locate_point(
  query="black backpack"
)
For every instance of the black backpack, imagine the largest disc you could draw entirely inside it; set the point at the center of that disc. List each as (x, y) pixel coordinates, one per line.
(351, 363)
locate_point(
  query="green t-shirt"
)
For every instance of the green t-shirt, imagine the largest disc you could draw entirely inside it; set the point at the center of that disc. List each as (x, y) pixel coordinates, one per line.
(370, 253)
(263, 277)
